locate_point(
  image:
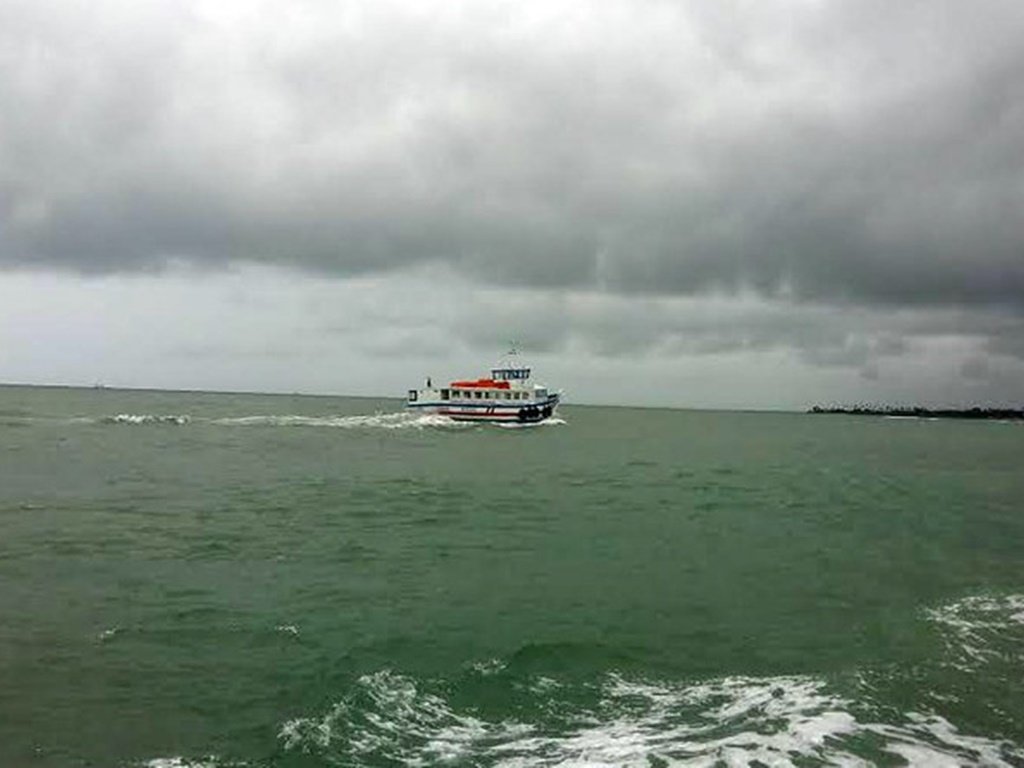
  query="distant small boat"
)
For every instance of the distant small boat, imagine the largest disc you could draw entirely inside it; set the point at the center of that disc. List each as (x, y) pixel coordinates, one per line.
(509, 395)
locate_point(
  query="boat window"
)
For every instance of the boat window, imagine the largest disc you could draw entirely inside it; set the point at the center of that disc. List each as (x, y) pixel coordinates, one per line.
(444, 394)
(413, 394)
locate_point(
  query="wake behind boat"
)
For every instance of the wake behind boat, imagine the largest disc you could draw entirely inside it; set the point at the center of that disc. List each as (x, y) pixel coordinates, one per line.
(509, 395)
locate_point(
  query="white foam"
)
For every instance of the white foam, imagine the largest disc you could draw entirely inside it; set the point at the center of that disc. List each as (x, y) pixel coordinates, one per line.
(397, 420)
(387, 716)
(148, 418)
(489, 667)
(732, 721)
(978, 628)
(735, 721)
(210, 761)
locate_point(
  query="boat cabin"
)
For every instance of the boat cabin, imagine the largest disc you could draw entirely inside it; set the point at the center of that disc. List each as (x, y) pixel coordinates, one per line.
(505, 385)
(510, 374)
(483, 389)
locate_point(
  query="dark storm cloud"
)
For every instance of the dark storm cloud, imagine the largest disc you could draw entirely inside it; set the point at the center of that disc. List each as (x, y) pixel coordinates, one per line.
(630, 327)
(852, 153)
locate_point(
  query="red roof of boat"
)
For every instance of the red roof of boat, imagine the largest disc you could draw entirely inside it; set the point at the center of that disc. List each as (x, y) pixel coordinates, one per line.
(482, 383)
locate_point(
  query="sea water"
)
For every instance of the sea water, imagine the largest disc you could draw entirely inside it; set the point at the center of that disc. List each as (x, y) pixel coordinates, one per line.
(218, 580)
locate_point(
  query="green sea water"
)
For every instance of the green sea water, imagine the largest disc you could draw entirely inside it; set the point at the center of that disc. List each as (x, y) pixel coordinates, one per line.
(220, 580)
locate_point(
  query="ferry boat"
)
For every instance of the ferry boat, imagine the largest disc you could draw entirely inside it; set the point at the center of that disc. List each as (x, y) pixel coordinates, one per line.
(509, 395)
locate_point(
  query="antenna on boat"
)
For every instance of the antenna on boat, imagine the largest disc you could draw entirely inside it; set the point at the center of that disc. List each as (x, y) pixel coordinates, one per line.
(508, 360)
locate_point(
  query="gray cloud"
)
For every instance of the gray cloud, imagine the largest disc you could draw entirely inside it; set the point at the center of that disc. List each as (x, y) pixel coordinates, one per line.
(842, 152)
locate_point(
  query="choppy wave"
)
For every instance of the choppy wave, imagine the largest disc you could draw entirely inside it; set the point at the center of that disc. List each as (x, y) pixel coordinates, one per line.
(982, 629)
(389, 719)
(502, 713)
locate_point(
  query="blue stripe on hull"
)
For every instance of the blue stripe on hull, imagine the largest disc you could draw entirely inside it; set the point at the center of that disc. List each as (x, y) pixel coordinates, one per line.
(491, 405)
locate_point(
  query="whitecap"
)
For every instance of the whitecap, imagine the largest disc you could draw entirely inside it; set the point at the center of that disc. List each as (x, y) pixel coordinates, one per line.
(147, 418)
(489, 667)
(210, 761)
(980, 629)
(396, 420)
(386, 717)
(777, 721)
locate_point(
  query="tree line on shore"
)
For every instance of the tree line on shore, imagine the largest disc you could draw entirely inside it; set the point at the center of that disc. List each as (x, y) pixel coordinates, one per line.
(917, 411)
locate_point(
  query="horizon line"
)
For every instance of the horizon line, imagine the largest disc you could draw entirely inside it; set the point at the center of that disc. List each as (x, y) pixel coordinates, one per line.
(284, 393)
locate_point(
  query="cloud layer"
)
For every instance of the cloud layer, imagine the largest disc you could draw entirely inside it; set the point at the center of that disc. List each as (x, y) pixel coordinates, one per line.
(277, 330)
(816, 149)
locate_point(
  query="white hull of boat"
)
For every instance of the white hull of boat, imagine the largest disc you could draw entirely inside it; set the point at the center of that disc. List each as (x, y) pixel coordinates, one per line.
(492, 411)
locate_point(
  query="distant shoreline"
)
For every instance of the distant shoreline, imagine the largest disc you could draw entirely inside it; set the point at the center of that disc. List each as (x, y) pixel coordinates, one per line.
(918, 412)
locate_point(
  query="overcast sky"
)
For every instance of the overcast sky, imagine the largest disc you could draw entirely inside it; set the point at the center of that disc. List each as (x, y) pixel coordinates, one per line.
(711, 204)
